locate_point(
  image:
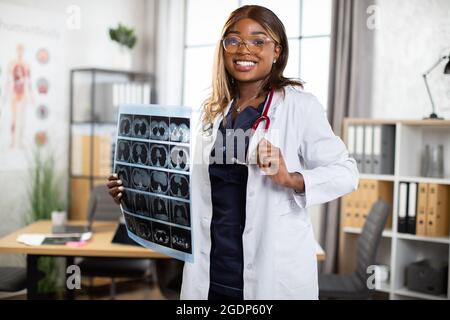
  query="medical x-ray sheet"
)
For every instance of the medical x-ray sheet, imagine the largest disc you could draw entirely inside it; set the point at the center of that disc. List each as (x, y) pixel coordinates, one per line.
(152, 157)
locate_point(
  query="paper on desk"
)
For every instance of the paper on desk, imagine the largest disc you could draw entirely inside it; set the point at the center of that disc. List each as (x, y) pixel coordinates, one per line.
(36, 239)
(31, 239)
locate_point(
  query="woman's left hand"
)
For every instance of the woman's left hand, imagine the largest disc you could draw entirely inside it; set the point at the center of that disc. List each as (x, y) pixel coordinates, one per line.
(271, 161)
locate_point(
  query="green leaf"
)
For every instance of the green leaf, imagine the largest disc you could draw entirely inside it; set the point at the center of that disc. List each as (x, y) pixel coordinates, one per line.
(123, 35)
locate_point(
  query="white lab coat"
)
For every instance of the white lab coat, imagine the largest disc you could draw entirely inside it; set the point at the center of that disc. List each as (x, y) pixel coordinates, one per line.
(278, 241)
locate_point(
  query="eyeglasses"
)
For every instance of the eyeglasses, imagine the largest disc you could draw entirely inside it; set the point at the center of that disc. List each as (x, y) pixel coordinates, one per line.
(231, 44)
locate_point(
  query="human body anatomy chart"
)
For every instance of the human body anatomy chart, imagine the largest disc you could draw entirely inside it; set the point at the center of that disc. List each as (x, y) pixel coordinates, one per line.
(152, 157)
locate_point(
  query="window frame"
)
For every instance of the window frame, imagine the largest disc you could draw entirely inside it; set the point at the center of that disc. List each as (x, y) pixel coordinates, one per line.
(299, 38)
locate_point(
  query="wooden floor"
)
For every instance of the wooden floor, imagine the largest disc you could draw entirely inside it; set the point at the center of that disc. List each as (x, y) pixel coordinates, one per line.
(126, 290)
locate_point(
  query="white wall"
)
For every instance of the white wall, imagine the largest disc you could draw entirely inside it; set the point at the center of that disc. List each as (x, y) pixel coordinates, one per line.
(87, 47)
(413, 34)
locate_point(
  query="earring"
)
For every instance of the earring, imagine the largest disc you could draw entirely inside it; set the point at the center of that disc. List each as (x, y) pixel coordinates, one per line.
(274, 61)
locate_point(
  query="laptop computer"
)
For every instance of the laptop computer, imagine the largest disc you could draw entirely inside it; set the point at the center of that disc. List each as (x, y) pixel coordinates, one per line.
(70, 229)
(79, 229)
(121, 236)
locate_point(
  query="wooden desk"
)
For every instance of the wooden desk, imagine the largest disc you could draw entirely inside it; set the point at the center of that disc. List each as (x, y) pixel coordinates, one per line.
(98, 246)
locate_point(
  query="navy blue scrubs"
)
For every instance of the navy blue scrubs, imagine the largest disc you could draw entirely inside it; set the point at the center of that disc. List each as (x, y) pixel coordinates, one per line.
(228, 191)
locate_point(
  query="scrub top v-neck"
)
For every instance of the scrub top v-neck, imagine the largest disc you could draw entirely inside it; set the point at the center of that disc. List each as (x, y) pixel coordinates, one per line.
(228, 191)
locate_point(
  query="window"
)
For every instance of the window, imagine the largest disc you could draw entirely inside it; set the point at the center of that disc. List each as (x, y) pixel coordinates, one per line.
(308, 27)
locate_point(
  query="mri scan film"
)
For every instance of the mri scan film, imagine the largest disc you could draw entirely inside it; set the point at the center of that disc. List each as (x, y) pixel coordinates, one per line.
(152, 158)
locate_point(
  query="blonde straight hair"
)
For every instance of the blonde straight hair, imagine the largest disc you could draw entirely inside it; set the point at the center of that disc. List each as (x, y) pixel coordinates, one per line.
(224, 88)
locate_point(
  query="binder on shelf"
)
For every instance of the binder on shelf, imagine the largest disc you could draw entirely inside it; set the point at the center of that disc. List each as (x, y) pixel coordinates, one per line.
(402, 207)
(356, 205)
(365, 205)
(381, 190)
(359, 148)
(412, 208)
(421, 218)
(438, 210)
(347, 209)
(368, 148)
(351, 139)
(383, 149)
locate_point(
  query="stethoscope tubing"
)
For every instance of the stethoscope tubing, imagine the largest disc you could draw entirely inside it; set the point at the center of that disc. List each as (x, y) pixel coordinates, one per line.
(264, 117)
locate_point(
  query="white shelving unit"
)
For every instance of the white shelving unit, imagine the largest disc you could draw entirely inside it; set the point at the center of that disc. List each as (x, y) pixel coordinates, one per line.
(398, 250)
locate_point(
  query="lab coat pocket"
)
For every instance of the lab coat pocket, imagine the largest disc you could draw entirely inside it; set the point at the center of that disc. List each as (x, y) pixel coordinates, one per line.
(294, 220)
(295, 264)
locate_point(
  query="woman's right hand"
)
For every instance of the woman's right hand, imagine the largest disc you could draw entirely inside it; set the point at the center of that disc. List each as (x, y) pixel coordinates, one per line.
(115, 187)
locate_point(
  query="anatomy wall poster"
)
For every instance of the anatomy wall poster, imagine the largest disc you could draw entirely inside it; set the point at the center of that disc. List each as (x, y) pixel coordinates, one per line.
(152, 158)
(33, 93)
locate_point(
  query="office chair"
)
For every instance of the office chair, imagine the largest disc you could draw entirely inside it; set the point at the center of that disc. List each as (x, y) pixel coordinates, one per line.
(169, 273)
(354, 285)
(12, 279)
(102, 207)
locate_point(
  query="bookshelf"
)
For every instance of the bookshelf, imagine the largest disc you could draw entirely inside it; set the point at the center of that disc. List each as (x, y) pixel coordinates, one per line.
(95, 95)
(398, 250)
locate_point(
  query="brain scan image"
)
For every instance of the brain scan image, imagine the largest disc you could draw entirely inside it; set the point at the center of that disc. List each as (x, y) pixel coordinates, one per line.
(161, 234)
(179, 158)
(127, 201)
(160, 208)
(125, 125)
(123, 173)
(158, 155)
(179, 186)
(159, 129)
(180, 212)
(144, 229)
(139, 153)
(181, 239)
(152, 158)
(141, 127)
(159, 182)
(123, 151)
(179, 130)
(129, 221)
(140, 179)
(140, 204)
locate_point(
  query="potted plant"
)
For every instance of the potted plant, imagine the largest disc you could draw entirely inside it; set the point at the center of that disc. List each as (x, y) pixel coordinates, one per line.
(126, 39)
(44, 197)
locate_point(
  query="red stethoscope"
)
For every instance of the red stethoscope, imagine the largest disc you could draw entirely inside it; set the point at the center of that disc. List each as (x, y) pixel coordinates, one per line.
(207, 128)
(264, 117)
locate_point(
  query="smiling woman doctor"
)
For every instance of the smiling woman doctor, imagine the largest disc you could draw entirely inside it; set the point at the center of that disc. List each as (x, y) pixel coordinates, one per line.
(263, 153)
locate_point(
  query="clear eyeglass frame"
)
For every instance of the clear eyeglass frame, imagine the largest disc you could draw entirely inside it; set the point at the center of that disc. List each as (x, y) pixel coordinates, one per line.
(255, 45)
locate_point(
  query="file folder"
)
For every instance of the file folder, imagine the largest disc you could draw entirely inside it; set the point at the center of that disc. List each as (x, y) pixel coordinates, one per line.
(438, 210)
(412, 208)
(402, 207)
(351, 135)
(368, 149)
(383, 149)
(422, 200)
(365, 204)
(347, 210)
(359, 148)
(381, 190)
